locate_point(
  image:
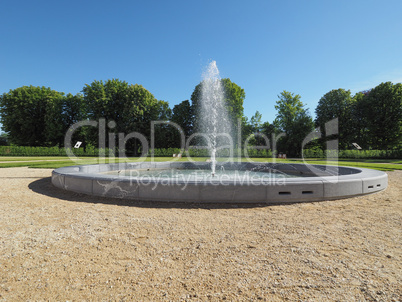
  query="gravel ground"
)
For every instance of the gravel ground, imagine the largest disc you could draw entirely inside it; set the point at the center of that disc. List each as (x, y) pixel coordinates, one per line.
(58, 245)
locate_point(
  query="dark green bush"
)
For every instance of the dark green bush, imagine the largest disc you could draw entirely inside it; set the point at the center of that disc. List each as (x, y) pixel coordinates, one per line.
(47, 151)
(353, 154)
(168, 152)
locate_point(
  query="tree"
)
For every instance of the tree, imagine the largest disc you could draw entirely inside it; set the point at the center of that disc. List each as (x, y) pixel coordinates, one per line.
(74, 110)
(383, 115)
(60, 115)
(131, 107)
(289, 107)
(256, 122)
(234, 98)
(294, 120)
(337, 103)
(268, 130)
(164, 135)
(26, 115)
(359, 120)
(55, 127)
(253, 128)
(3, 139)
(182, 115)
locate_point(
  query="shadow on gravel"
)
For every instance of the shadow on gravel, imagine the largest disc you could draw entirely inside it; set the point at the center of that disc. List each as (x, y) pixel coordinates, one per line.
(44, 186)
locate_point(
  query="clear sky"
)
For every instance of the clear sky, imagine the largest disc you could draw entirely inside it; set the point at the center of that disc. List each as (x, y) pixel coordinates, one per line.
(302, 46)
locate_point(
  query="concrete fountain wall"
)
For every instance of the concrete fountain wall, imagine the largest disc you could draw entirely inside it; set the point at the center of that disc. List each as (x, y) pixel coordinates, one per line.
(316, 183)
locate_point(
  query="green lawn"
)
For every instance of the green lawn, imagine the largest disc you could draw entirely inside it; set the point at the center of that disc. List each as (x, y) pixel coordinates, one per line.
(31, 158)
(57, 162)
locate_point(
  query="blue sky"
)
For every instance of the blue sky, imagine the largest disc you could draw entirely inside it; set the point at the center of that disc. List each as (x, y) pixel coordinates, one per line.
(306, 47)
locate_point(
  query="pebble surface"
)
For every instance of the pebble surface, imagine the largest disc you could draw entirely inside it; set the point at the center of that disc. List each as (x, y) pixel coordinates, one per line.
(58, 245)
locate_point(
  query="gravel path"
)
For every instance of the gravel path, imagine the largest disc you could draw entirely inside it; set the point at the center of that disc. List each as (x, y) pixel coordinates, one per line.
(57, 245)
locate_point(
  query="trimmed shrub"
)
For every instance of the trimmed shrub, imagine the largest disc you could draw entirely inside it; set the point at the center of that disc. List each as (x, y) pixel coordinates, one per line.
(353, 154)
(48, 151)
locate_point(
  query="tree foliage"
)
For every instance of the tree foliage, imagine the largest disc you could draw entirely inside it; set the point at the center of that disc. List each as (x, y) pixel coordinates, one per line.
(183, 116)
(234, 98)
(164, 135)
(293, 120)
(3, 139)
(39, 116)
(382, 110)
(289, 107)
(339, 104)
(60, 115)
(256, 121)
(252, 130)
(359, 122)
(130, 107)
(28, 115)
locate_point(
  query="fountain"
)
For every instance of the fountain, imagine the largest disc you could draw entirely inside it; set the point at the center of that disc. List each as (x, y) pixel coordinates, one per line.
(243, 182)
(214, 119)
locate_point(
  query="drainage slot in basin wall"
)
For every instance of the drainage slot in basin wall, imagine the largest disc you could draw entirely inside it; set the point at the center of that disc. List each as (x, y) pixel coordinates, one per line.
(370, 187)
(284, 193)
(307, 192)
(379, 185)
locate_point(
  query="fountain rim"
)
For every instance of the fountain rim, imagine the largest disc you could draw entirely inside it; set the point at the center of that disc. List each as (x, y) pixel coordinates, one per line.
(88, 180)
(99, 170)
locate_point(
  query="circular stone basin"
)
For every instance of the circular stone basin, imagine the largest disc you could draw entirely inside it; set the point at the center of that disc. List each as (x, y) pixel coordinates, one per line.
(232, 183)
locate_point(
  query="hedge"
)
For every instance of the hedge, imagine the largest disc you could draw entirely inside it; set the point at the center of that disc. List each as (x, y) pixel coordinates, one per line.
(353, 154)
(193, 152)
(47, 151)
